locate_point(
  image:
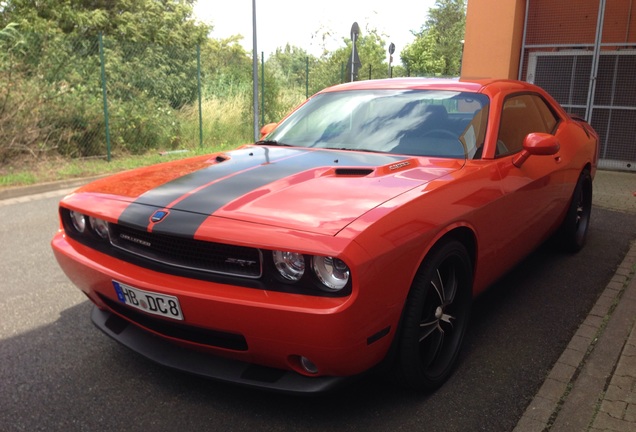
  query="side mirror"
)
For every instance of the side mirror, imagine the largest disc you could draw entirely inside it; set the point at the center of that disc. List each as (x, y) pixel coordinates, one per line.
(537, 144)
(265, 130)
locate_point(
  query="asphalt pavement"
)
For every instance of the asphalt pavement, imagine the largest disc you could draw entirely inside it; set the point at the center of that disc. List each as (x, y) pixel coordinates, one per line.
(592, 386)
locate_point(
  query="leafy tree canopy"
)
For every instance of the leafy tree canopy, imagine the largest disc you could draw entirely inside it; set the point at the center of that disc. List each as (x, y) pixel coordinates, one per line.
(437, 48)
(331, 68)
(289, 64)
(163, 22)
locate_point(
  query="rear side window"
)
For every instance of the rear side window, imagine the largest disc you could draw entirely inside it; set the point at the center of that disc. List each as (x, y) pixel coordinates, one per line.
(521, 115)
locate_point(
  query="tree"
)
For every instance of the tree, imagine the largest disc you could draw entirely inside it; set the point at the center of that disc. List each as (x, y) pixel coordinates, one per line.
(331, 67)
(140, 35)
(289, 65)
(163, 22)
(372, 50)
(151, 68)
(437, 48)
(420, 58)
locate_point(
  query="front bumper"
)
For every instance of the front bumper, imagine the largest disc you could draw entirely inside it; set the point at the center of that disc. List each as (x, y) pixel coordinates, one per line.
(342, 336)
(202, 364)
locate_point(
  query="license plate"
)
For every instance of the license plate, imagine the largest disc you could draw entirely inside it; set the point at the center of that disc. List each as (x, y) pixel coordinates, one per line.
(150, 302)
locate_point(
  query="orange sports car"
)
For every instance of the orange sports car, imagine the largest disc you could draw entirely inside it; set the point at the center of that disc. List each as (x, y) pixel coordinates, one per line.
(355, 234)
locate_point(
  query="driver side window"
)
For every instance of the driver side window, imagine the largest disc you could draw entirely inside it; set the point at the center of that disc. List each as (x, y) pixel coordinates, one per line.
(521, 115)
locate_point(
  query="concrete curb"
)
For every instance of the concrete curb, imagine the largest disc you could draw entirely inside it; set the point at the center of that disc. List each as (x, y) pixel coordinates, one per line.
(19, 191)
(576, 394)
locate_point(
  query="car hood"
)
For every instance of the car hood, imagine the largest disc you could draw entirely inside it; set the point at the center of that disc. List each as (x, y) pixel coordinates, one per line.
(313, 190)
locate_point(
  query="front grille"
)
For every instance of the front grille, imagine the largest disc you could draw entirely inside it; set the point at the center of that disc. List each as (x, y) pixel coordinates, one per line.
(187, 253)
(175, 330)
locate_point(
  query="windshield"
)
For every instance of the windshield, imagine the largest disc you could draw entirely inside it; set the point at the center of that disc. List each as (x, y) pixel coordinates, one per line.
(413, 122)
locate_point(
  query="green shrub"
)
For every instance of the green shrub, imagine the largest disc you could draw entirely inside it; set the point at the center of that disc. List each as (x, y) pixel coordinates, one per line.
(143, 124)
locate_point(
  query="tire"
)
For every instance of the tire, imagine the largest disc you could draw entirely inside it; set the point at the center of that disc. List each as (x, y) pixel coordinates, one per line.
(435, 318)
(573, 231)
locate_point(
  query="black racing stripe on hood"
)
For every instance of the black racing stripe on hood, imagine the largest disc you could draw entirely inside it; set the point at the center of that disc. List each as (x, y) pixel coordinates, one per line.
(164, 195)
(137, 214)
(221, 184)
(211, 198)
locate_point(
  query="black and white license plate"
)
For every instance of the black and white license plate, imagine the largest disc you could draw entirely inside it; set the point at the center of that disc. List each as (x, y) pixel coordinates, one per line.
(150, 302)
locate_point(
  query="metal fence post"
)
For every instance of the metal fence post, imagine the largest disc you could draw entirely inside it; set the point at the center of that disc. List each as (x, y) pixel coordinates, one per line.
(255, 73)
(199, 87)
(306, 77)
(262, 88)
(103, 71)
(596, 57)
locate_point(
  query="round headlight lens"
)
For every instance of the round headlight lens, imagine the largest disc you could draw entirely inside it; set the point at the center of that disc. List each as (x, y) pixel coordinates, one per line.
(332, 272)
(78, 220)
(290, 265)
(100, 227)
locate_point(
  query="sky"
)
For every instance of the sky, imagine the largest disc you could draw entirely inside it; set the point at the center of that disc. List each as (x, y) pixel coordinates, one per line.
(303, 23)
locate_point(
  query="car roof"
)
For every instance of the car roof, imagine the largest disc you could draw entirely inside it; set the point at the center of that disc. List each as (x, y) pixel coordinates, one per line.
(462, 85)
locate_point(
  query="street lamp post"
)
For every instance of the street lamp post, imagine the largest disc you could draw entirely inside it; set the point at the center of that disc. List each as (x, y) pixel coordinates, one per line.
(355, 60)
(255, 73)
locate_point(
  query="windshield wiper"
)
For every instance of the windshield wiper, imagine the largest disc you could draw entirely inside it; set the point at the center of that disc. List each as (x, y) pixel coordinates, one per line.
(272, 142)
(357, 149)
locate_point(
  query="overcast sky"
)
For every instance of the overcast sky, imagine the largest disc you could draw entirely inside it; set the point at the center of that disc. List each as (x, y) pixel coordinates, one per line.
(302, 23)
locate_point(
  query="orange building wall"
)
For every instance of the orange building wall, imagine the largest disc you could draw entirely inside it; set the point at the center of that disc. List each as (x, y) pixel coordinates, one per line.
(561, 22)
(620, 22)
(558, 22)
(494, 30)
(494, 33)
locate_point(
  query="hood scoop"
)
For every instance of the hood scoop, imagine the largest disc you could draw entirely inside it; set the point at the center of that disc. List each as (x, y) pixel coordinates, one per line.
(353, 172)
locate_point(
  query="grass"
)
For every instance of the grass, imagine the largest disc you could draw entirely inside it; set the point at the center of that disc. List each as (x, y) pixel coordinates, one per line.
(29, 172)
(226, 124)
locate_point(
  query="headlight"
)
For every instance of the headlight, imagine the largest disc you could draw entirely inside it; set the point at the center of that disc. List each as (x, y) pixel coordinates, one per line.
(99, 226)
(290, 265)
(78, 220)
(332, 272)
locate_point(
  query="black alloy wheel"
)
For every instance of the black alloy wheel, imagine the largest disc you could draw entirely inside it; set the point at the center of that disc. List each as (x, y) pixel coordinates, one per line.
(435, 317)
(573, 231)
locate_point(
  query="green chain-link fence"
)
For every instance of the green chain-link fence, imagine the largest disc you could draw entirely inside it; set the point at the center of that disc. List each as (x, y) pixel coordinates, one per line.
(146, 86)
(97, 97)
(48, 97)
(81, 97)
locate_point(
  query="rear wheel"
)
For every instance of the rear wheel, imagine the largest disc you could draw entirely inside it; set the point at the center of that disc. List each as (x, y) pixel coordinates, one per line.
(573, 231)
(435, 317)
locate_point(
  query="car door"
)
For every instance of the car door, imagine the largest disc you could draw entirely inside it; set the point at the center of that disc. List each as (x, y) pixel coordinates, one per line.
(531, 193)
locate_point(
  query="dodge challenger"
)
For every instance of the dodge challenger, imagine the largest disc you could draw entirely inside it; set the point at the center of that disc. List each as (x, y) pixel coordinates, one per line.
(355, 234)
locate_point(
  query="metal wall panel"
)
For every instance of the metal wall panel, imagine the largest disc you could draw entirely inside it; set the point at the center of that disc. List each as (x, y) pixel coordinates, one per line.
(584, 54)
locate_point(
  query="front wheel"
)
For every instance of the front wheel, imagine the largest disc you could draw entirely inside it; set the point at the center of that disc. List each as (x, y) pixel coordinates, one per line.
(435, 317)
